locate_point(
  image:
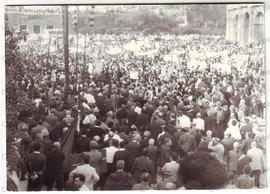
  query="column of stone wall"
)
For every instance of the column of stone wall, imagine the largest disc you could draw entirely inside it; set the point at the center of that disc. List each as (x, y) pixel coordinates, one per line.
(227, 26)
(231, 31)
(239, 27)
(233, 37)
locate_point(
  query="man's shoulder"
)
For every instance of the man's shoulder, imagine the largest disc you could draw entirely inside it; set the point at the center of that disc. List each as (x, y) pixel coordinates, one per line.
(36, 156)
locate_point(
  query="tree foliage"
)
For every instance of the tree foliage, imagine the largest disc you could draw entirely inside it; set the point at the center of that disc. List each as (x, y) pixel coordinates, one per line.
(16, 98)
(150, 22)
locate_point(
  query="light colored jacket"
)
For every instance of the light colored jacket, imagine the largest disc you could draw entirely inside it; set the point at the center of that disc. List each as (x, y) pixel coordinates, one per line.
(89, 172)
(258, 161)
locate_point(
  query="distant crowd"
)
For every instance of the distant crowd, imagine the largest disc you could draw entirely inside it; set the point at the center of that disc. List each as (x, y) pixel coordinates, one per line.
(178, 127)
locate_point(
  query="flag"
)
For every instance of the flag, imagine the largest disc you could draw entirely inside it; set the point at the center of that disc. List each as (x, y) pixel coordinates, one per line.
(67, 145)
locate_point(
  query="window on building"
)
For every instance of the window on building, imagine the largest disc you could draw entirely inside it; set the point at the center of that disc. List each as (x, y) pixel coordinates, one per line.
(49, 27)
(23, 27)
(36, 29)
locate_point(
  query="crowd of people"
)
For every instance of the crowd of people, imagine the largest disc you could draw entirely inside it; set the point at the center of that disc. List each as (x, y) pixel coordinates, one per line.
(173, 126)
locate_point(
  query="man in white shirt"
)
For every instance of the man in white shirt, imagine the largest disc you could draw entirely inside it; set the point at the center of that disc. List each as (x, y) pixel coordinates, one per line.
(110, 151)
(199, 122)
(90, 174)
(258, 162)
(234, 130)
(217, 149)
(90, 118)
(112, 135)
(182, 121)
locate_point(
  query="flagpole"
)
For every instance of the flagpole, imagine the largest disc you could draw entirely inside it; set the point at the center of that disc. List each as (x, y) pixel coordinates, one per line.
(84, 56)
(46, 79)
(66, 49)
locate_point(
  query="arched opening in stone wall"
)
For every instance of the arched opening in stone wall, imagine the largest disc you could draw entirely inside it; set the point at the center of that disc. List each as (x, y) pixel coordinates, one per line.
(246, 28)
(235, 27)
(258, 27)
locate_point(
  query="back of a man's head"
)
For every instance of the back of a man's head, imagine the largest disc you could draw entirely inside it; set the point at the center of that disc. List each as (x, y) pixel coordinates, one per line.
(247, 169)
(145, 177)
(151, 141)
(115, 143)
(86, 159)
(234, 122)
(253, 144)
(36, 146)
(120, 164)
(200, 170)
(144, 151)
(81, 177)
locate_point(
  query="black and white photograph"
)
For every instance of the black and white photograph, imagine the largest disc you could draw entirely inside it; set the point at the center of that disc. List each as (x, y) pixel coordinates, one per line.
(105, 97)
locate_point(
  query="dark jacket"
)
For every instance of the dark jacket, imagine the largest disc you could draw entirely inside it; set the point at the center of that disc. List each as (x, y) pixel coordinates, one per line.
(82, 144)
(35, 162)
(132, 117)
(187, 142)
(142, 121)
(119, 180)
(155, 129)
(142, 164)
(164, 155)
(55, 159)
(135, 149)
(123, 155)
(153, 154)
(96, 130)
(211, 123)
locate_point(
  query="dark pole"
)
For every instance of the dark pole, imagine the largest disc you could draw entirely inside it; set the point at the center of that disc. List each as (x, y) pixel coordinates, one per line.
(77, 57)
(66, 51)
(84, 54)
(46, 81)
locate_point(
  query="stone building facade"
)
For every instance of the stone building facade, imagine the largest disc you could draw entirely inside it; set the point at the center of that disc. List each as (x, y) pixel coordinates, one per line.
(32, 20)
(245, 23)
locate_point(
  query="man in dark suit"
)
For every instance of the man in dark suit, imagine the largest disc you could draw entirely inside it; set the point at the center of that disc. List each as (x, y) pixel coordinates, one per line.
(154, 127)
(175, 138)
(119, 180)
(211, 123)
(135, 149)
(143, 164)
(163, 136)
(132, 116)
(124, 155)
(82, 143)
(96, 130)
(153, 153)
(35, 166)
(122, 113)
(187, 143)
(142, 120)
(246, 128)
(54, 169)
